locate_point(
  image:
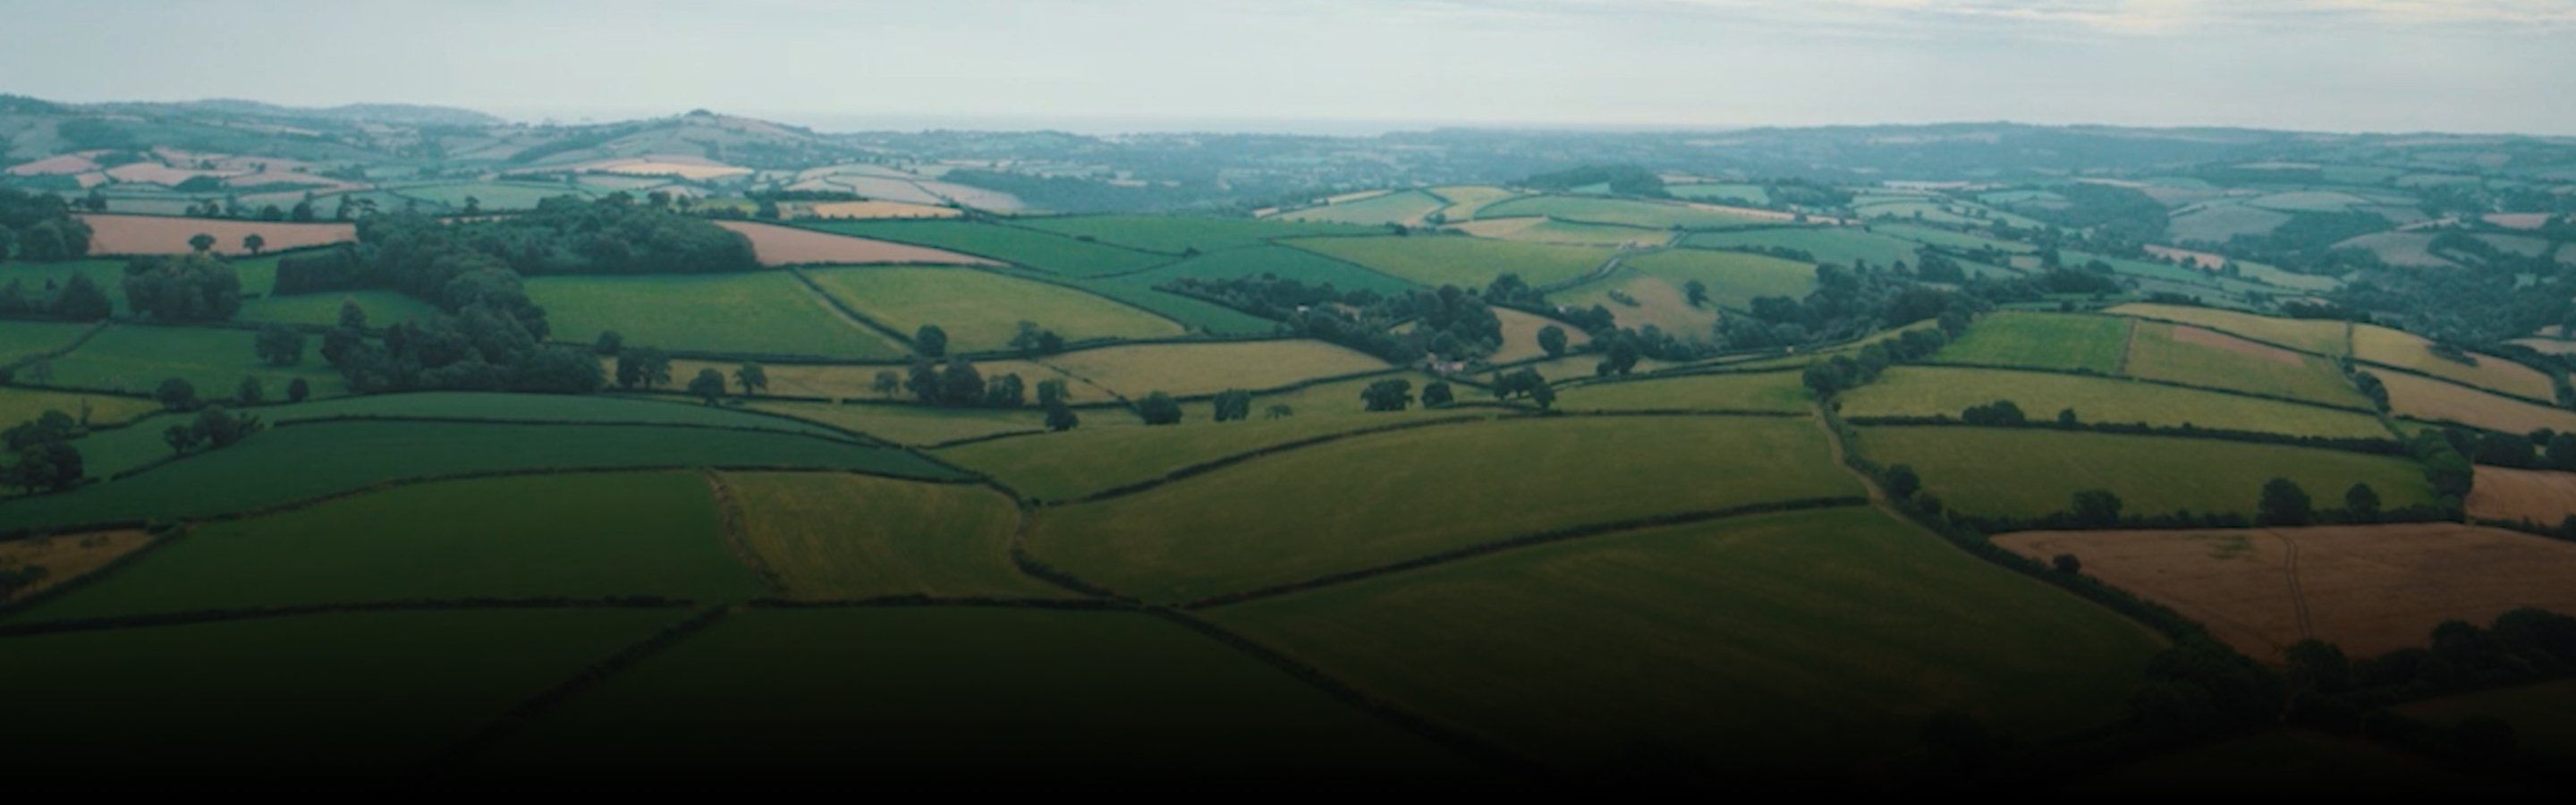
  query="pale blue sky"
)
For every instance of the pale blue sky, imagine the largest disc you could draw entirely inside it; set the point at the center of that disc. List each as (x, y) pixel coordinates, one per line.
(2340, 65)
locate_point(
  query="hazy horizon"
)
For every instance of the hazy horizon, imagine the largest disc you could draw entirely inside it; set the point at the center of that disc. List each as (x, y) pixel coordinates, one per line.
(1347, 67)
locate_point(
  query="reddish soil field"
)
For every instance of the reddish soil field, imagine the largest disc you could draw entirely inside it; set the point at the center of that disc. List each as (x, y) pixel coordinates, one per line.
(148, 234)
(787, 246)
(2368, 589)
(2217, 340)
(2533, 496)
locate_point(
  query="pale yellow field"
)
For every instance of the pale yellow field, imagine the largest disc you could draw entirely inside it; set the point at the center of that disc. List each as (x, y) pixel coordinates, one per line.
(2537, 497)
(2432, 401)
(786, 246)
(67, 556)
(2409, 351)
(838, 536)
(1520, 335)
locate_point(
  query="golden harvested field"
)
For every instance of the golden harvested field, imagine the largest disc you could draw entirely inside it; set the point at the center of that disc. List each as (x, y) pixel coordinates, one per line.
(880, 209)
(67, 556)
(839, 536)
(147, 234)
(2313, 335)
(1187, 369)
(2432, 400)
(2370, 589)
(2409, 351)
(2534, 496)
(786, 246)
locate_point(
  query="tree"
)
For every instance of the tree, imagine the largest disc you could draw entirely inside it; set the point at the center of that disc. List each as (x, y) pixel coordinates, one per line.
(1542, 394)
(886, 383)
(709, 385)
(959, 384)
(195, 287)
(176, 394)
(1031, 340)
(253, 243)
(2362, 502)
(930, 341)
(610, 341)
(2317, 665)
(82, 300)
(1436, 393)
(49, 466)
(297, 390)
(1005, 391)
(2284, 503)
(2067, 563)
(1051, 392)
(1900, 481)
(201, 242)
(249, 392)
(279, 345)
(1233, 404)
(1279, 411)
(2097, 507)
(181, 438)
(753, 378)
(1552, 339)
(216, 428)
(1695, 292)
(1159, 409)
(1387, 395)
(1061, 418)
(922, 379)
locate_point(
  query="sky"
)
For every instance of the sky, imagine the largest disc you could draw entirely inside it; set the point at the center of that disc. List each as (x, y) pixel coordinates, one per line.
(1340, 66)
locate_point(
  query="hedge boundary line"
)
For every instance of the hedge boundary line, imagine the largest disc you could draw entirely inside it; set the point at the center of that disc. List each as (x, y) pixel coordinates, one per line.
(1222, 462)
(853, 314)
(41, 356)
(2355, 444)
(528, 710)
(1529, 540)
(913, 600)
(221, 614)
(736, 535)
(152, 543)
(2352, 353)
(1939, 364)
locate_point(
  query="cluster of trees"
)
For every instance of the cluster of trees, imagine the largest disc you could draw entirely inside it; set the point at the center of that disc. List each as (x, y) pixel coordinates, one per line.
(1847, 303)
(480, 348)
(183, 288)
(2325, 689)
(957, 384)
(2119, 219)
(40, 226)
(1625, 180)
(212, 428)
(76, 299)
(2543, 449)
(1270, 296)
(40, 453)
(1450, 324)
(1524, 383)
(2280, 502)
(1829, 377)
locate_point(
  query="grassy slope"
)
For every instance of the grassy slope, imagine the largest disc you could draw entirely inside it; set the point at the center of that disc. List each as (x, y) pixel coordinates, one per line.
(766, 312)
(137, 358)
(2042, 341)
(1927, 391)
(2156, 354)
(832, 536)
(1462, 261)
(1766, 391)
(1192, 369)
(1096, 457)
(1041, 250)
(1993, 471)
(981, 310)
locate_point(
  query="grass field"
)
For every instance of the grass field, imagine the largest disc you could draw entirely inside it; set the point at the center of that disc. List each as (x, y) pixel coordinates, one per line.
(1462, 261)
(1929, 391)
(2408, 351)
(1738, 193)
(2312, 335)
(914, 425)
(1762, 391)
(1620, 212)
(2201, 357)
(2072, 342)
(584, 536)
(1007, 698)
(39, 280)
(1040, 250)
(1172, 234)
(765, 313)
(1548, 230)
(1520, 335)
(322, 700)
(1734, 279)
(144, 234)
(1637, 300)
(308, 461)
(2368, 589)
(2543, 716)
(1279, 261)
(2430, 400)
(1784, 645)
(487, 195)
(24, 339)
(1952, 239)
(2027, 473)
(1407, 208)
(2219, 222)
(1097, 457)
(1200, 316)
(21, 405)
(1297, 515)
(835, 536)
(982, 310)
(1465, 200)
(1840, 246)
(566, 408)
(136, 358)
(1190, 369)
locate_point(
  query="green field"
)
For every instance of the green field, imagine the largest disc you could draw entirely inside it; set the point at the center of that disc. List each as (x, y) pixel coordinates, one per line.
(1650, 215)
(836, 536)
(1040, 250)
(1836, 245)
(136, 358)
(1279, 261)
(2312, 335)
(2162, 352)
(1173, 234)
(1762, 391)
(39, 280)
(912, 696)
(302, 462)
(1191, 369)
(2070, 342)
(20, 405)
(1407, 207)
(24, 339)
(1913, 391)
(2032, 472)
(1734, 279)
(907, 424)
(2218, 222)
(1097, 457)
(1297, 515)
(575, 409)
(762, 313)
(1462, 261)
(981, 310)
(356, 699)
(584, 536)
(1637, 300)
(1951, 239)
(1549, 230)
(1782, 645)
(494, 196)
(1198, 315)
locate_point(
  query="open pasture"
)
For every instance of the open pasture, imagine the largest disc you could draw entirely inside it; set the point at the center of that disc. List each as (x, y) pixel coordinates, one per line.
(1297, 515)
(20, 340)
(1109, 454)
(1279, 261)
(1184, 370)
(981, 310)
(1734, 279)
(1780, 392)
(1173, 234)
(760, 313)
(2061, 341)
(1045, 251)
(1520, 335)
(145, 234)
(1912, 391)
(2369, 589)
(914, 424)
(836, 536)
(1403, 208)
(135, 358)
(1836, 245)
(776, 245)
(23, 404)
(1010, 698)
(1781, 642)
(2014, 472)
(323, 307)
(65, 557)
(2310, 335)
(2429, 400)
(593, 409)
(1549, 230)
(1465, 200)
(876, 210)
(1622, 212)
(2219, 221)
(2409, 351)
(1466, 262)
(1637, 300)
(2199, 357)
